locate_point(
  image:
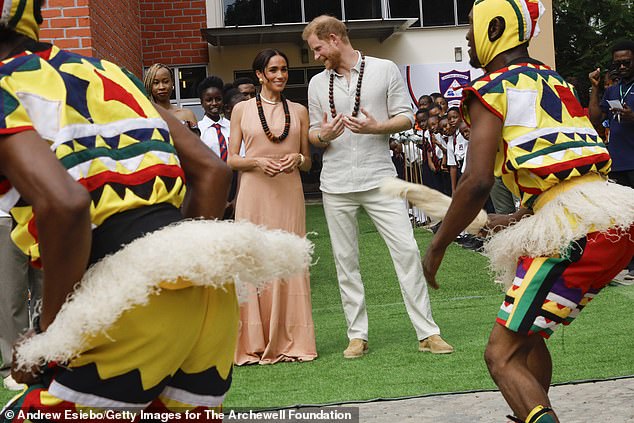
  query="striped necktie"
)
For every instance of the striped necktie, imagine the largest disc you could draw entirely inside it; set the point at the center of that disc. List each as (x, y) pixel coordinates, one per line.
(222, 142)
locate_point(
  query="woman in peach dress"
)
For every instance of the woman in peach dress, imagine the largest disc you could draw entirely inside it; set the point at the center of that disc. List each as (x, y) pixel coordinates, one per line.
(277, 323)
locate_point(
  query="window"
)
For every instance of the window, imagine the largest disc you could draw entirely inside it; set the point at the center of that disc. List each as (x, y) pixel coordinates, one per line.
(363, 9)
(278, 11)
(405, 9)
(243, 12)
(438, 13)
(429, 12)
(315, 8)
(464, 7)
(432, 12)
(188, 80)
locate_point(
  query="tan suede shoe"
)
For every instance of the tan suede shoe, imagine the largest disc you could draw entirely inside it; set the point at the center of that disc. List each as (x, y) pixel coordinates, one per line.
(435, 344)
(356, 348)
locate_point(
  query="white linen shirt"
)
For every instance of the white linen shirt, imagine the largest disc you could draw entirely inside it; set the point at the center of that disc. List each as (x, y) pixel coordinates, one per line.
(358, 162)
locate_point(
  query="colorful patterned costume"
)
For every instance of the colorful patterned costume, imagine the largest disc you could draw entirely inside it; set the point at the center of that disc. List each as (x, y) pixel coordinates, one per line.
(176, 350)
(547, 137)
(551, 157)
(121, 153)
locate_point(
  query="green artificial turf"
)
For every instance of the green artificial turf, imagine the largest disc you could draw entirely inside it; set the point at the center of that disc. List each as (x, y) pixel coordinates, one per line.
(464, 308)
(598, 345)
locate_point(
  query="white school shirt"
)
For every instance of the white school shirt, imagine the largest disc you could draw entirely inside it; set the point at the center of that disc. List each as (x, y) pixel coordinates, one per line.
(209, 136)
(358, 162)
(439, 152)
(456, 149)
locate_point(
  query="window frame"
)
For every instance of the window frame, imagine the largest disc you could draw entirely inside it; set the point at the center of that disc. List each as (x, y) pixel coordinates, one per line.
(384, 14)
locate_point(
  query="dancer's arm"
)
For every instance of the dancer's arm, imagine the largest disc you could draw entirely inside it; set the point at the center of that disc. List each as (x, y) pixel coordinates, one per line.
(208, 177)
(473, 188)
(497, 222)
(62, 214)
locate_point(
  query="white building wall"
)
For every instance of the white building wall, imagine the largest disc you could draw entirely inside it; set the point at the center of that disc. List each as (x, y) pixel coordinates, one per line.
(414, 46)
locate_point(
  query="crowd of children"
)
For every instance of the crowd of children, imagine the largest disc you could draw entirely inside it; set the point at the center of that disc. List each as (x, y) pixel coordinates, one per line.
(434, 153)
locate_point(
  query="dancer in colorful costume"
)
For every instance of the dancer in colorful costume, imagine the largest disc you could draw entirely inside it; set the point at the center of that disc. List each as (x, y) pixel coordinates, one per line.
(574, 231)
(88, 164)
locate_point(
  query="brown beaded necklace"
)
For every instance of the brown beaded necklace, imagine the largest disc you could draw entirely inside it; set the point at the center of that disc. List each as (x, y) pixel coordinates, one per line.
(265, 126)
(357, 97)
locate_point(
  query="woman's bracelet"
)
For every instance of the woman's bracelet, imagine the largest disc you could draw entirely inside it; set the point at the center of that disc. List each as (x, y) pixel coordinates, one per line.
(302, 159)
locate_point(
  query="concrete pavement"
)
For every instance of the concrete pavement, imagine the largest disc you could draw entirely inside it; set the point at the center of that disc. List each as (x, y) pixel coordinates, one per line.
(607, 401)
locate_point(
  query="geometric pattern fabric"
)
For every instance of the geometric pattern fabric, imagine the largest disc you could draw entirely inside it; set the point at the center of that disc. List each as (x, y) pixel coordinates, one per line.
(546, 137)
(99, 124)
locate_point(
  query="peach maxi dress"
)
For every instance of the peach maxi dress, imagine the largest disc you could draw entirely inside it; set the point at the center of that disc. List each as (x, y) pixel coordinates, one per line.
(277, 324)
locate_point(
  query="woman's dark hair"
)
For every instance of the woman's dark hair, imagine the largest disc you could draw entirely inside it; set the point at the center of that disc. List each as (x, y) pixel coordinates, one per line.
(263, 57)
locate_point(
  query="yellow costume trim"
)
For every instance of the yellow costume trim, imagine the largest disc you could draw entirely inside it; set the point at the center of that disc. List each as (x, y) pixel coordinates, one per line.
(549, 195)
(538, 412)
(520, 17)
(20, 16)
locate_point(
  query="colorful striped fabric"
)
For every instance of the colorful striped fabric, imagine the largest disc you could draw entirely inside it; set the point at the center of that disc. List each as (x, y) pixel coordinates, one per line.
(548, 291)
(547, 137)
(100, 125)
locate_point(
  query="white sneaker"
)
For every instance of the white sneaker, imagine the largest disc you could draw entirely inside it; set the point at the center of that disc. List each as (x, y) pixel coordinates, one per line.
(10, 384)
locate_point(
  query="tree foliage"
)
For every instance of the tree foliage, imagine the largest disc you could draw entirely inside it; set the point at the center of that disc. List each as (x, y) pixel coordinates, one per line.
(585, 31)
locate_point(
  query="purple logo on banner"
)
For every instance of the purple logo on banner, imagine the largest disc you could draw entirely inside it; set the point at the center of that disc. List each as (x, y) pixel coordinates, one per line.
(451, 83)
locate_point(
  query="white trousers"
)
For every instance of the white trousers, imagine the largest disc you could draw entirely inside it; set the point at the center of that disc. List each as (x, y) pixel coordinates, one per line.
(389, 215)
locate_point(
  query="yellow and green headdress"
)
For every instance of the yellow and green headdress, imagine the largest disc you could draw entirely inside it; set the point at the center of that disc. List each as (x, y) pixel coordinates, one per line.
(22, 16)
(520, 16)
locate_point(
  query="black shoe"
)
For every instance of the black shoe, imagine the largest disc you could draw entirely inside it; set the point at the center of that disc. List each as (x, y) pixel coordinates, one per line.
(474, 244)
(461, 239)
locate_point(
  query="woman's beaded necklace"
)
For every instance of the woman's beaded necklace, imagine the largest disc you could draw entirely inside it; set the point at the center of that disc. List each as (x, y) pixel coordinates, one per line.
(357, 97)
(265, 126)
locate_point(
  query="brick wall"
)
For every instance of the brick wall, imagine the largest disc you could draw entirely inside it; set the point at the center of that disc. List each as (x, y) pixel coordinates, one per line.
(170, 32)
(108, 29)
(131, 33)
(67, 25)
(116, 32)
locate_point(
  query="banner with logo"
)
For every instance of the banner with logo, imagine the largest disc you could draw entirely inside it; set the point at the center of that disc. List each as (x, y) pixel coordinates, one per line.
(444, 78)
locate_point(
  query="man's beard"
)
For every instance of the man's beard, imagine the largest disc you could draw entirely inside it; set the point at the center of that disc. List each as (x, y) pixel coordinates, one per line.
(333, 61)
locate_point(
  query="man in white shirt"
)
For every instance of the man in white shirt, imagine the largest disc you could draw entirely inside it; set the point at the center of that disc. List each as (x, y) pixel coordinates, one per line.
(354, 104)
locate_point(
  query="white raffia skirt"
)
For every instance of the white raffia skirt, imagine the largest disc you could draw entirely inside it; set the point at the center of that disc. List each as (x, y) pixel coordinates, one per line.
(563, 214)
(190, 253)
